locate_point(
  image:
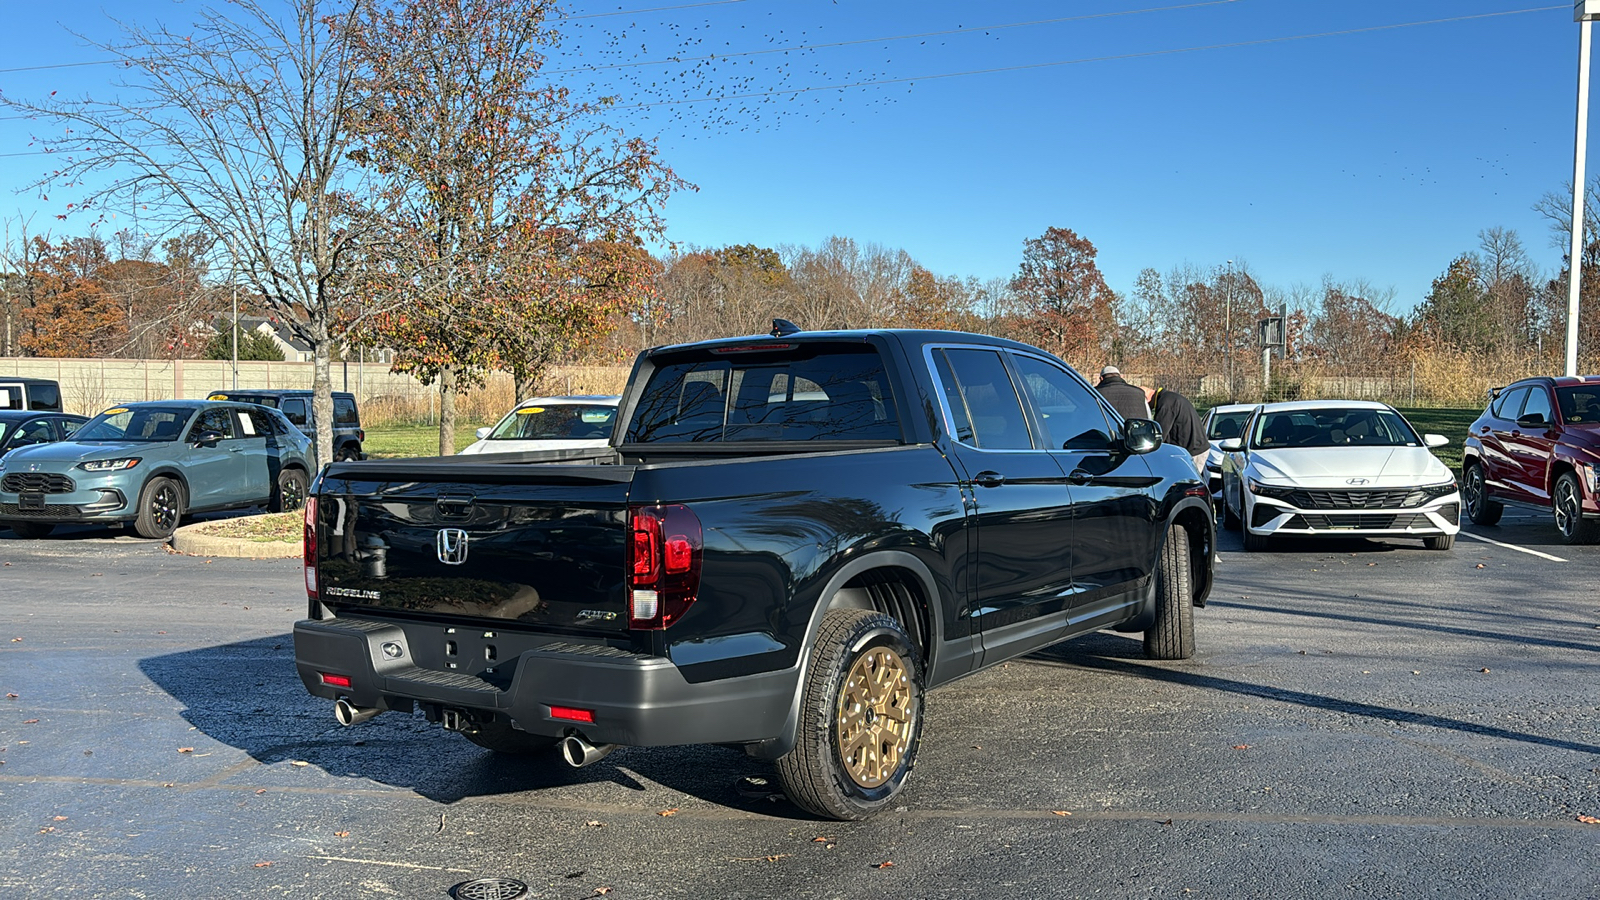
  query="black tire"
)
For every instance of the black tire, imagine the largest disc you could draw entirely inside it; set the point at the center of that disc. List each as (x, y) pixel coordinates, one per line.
(1567, 503)
(502, 738)
(1440, 541)
(290, 492)
(1171, 636)
(1475, 494)
(32, 530)
(857, 650)
(160, 508)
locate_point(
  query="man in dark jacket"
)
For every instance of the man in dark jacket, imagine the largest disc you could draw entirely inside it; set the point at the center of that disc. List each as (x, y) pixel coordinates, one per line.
(1125, 398)
(1180, 423)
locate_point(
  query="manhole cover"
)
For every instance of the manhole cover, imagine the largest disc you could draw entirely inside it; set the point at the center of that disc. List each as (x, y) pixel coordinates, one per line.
(489, 889)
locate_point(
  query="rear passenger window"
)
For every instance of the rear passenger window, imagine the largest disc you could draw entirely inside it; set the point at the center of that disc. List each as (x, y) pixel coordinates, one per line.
(1508, 403)
(344, 413)
(990, 400)
(295, 411)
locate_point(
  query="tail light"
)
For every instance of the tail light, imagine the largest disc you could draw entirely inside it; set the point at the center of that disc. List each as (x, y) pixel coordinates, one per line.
(664, 552)
(309, 547)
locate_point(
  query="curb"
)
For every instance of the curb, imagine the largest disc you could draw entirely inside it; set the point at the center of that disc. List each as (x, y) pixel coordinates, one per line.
(195, 541)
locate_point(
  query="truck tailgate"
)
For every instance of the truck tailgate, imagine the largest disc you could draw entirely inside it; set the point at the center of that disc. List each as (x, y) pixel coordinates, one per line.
(543, 545)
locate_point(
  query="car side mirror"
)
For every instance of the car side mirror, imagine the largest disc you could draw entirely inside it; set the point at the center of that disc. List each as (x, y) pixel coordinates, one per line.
(1141, 435)
(207, 438)
(1433, 441)
(1231, 445)
(1532, 421)
(483, 432)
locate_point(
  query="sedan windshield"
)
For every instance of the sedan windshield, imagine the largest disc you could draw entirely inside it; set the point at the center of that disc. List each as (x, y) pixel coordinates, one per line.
(555, 423)
(147, 423)
(1579, 405)
(1332, 428)
(1226, 425)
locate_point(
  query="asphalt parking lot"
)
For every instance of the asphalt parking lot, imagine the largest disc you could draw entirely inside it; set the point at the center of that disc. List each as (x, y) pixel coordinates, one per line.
(1361, 720)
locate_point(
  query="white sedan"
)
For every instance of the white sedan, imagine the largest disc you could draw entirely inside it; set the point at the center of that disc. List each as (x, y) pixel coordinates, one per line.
(1222, 422)
(551, 423)
(1339, 468)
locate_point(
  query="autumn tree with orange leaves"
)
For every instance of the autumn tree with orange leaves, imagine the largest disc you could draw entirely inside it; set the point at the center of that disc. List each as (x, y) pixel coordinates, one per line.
(510, 214)
(1063, 299)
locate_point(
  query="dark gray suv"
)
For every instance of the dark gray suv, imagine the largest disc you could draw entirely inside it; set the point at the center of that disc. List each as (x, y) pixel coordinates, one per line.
(295, 405)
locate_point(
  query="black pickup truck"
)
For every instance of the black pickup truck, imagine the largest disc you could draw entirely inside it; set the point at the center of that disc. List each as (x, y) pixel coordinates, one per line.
(787, 541)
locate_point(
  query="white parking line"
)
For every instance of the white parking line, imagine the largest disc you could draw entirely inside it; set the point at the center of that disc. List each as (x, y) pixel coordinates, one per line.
(1513, 547)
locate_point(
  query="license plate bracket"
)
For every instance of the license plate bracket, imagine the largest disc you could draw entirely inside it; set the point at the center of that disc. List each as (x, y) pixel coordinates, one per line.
(30, 500)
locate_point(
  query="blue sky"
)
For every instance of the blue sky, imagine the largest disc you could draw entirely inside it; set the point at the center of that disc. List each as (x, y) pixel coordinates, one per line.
(1376, 155)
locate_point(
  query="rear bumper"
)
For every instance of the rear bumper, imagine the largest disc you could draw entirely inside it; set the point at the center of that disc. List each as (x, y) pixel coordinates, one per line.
(637, 700)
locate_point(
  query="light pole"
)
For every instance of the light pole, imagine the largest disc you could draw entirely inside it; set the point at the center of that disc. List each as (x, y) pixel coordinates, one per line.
(1227, 325)
(1583, 12)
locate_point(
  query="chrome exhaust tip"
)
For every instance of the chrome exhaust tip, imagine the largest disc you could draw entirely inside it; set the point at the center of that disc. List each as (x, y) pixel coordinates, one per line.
(349, 714)
(579, 752)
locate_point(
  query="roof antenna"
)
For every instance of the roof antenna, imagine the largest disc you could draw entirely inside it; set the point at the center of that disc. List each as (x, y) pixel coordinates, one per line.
(784, 328)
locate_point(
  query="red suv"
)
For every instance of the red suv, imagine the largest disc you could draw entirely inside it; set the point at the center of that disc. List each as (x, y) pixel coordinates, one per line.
(1538, 445)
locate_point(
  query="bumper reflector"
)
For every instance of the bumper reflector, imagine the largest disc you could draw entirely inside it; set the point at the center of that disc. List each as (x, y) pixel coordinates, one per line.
(336, 680)
(572, 714)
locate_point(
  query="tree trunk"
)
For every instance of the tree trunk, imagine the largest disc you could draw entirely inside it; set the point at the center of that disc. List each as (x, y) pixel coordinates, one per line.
(321, 389)
(525, 384)
(447, 411)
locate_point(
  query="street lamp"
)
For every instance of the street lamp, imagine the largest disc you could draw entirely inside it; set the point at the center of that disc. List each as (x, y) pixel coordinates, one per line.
(1227, 323)
(1583, 12)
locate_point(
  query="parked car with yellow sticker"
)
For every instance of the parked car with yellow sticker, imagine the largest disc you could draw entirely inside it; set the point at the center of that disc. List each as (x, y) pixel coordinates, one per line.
(575, 422)
(153, 463)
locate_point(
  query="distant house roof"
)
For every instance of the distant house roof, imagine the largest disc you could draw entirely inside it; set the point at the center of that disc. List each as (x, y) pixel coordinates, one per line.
(255, 323)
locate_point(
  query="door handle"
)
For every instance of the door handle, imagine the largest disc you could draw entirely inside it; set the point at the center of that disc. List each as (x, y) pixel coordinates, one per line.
(1486, 429)
(988, 479)
(1079, 476)
(235, 449)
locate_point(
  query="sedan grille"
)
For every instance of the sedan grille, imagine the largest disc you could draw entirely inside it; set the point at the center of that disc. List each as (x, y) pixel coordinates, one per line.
(1402, 499)
(1365, 522)
(37, 483)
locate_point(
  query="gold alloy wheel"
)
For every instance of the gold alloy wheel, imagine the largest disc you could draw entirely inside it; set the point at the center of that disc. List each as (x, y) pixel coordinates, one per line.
(876, 715)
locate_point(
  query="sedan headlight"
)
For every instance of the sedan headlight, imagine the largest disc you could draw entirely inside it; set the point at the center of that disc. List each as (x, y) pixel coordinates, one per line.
(109, 465)
(1268, 490)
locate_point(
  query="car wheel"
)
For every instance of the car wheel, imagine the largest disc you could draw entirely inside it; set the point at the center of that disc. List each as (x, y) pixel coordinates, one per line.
(860, 717)
(1171, 636)
(502, 738)
(32, 530)
(291, 491)
(1568, 506)
(1439, 541)
(1230, 519)
(160, 508)
(1480, 509)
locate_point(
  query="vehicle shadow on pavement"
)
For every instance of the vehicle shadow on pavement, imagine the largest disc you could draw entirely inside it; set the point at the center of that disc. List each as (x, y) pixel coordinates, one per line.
(1119, 655)
(247, 695)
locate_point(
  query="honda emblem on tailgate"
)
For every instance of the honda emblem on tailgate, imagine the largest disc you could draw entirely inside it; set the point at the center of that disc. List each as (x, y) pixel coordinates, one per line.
(452, 546)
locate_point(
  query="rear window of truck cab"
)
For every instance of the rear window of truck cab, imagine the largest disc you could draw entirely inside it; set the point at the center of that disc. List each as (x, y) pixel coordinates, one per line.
(790, 392)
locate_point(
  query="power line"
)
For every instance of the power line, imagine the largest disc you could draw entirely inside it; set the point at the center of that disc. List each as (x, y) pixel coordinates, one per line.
(1094, 59)
(896, 37)
(1044, 65)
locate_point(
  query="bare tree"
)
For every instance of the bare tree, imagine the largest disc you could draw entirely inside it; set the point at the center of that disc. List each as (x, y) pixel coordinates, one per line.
(236, 127)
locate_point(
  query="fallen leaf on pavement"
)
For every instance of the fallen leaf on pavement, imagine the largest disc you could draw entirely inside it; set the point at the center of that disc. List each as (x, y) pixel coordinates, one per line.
(1060, 812)
(773, 858)
(1589, 820)
(30, 721)
(185, 749)
(602, 890)
(261, 790)
(886, 864)
(1241, 746)
(341, 834)
(262, 865)
(60, 818)
(670, 811)
(594, 823)
(299, 762)
(1483, 669)
(820, 840)
(1480, 565)
(10, 696)
(1167, 822)
(47, 829)
(16, 640)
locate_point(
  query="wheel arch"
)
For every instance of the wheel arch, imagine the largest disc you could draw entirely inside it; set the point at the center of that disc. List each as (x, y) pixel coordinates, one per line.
(864, 583)
(1197, 517)
(167, 471)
